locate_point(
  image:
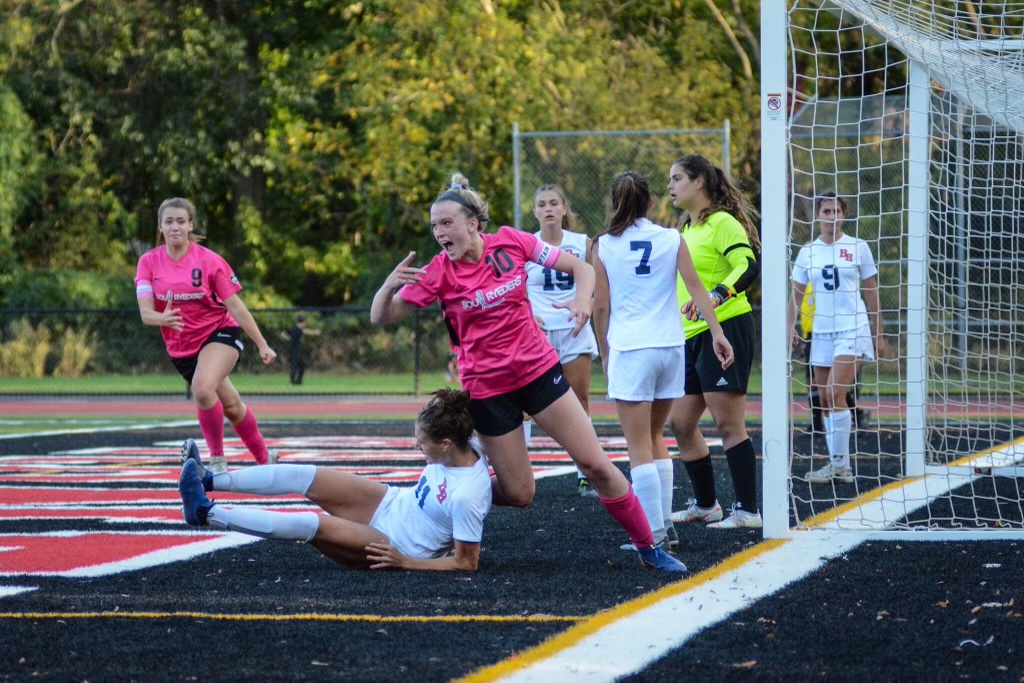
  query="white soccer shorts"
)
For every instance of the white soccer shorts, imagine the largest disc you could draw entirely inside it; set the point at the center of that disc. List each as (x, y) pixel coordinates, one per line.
(827, 346)
(570, 348)
(645, 374)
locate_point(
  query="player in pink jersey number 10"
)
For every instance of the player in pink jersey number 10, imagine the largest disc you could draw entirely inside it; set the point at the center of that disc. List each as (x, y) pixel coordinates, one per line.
(505, 362)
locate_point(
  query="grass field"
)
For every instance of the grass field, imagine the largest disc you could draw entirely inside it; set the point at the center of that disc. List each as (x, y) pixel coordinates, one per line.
(322, 384)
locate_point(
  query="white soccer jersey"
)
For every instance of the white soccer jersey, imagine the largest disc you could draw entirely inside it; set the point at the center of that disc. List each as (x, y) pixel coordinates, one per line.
(447, 503)
(835, 272)
(547, 286)
(641, 267)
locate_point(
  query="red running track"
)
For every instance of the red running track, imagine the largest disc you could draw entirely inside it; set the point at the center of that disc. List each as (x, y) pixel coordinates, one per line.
(407, 407)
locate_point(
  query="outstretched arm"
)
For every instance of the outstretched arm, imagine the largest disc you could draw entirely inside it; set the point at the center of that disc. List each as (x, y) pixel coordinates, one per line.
(240, 313)
(583, 274)
(387, 305)
(465, 558)
(602, 306)
(170, 317)
(705, 304)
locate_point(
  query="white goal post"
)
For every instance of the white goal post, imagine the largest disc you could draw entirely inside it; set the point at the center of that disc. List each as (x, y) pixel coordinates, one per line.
(913, 112)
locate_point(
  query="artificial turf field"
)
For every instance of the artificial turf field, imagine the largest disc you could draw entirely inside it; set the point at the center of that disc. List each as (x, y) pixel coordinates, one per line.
(101, 581)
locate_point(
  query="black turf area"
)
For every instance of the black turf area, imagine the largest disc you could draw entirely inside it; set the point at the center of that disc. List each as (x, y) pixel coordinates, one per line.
(883, 612)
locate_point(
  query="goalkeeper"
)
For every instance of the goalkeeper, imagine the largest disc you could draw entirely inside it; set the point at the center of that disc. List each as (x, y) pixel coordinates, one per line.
(720, 230)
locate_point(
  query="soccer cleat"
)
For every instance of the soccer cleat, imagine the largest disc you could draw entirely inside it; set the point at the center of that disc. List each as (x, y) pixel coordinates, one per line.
(830, 473)
(665, 543)
(739, 519)
(195, 504)
(190, 451)
(585, 488)
(657, 559)
(272, 456)
(671, 535)
(692, 513)
(218, 464)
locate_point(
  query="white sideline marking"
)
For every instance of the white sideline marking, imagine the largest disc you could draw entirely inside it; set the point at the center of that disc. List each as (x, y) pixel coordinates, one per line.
(8, 591)
(97, 430)
(639, 637)
(631, 636)
(156, 558)
(166, 556)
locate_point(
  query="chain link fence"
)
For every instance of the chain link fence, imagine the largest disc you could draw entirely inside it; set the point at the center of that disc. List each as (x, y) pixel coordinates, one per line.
(583, 164)
(112, 346)
(110, 351)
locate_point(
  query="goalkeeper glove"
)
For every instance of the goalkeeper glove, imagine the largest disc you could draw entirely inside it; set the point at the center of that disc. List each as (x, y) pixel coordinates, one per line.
(719, 295)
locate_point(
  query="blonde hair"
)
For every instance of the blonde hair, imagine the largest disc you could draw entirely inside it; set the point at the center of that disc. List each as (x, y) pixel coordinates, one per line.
(177, 203)
(460, 192)
(569, 220)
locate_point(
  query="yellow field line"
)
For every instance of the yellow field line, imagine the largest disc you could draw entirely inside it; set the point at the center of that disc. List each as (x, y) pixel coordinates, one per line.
(832, 515)
(591, 625)
(367, 618)
(966, 460)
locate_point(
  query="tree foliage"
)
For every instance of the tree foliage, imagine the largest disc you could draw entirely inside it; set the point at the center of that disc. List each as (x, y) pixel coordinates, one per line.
(312, 135)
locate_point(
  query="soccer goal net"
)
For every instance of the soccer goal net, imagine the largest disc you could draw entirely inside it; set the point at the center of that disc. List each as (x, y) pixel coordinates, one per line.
(913, 114)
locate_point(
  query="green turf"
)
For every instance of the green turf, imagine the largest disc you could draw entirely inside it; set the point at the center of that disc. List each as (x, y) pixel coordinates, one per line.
(263, 383)
(317, 384)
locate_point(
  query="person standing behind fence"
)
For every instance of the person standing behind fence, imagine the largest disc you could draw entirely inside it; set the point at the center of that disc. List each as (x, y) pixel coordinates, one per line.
(548, 287)
(191, 294)
(296, 356)
(720, 229)
(847, 328)
(641, 337)
(505, 362)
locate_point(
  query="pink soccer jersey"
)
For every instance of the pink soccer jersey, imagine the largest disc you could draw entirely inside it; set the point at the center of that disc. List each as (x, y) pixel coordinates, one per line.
(499, 345)
(198, 283)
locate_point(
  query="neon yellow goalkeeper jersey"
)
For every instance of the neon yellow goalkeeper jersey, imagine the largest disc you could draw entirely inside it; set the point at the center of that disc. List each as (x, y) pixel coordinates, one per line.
(721, 253)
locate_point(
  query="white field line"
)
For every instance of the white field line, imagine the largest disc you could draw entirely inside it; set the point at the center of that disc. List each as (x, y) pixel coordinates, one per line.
(97, 430)
(633, 635)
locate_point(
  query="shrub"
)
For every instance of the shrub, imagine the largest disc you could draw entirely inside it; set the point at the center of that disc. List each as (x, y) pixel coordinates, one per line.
(25, 353)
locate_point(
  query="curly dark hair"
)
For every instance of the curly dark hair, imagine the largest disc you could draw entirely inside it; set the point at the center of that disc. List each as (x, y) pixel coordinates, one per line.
(446, 416)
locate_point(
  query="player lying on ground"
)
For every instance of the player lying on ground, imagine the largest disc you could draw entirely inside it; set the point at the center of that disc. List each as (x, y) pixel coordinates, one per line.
(368, 524)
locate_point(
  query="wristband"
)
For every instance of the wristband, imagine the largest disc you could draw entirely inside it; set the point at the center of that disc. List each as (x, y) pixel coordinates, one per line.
(720, 294)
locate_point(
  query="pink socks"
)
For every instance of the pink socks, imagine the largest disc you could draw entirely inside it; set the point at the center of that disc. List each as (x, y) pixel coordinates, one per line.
(249, 432)
(211, 424)
(628, 513)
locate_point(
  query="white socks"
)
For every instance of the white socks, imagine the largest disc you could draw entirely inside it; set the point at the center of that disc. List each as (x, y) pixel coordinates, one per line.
(268, 480)
(647, 487)
(278, 526)
(666, 476)
(839, 445)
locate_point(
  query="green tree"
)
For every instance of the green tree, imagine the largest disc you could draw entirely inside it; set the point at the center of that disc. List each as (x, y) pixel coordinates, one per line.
(312, 135)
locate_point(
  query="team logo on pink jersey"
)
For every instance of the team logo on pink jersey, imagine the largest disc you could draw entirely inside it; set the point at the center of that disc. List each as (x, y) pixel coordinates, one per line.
(493, 298)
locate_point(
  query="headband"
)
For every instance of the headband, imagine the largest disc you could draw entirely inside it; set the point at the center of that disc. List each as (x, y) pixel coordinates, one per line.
(453, 196)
